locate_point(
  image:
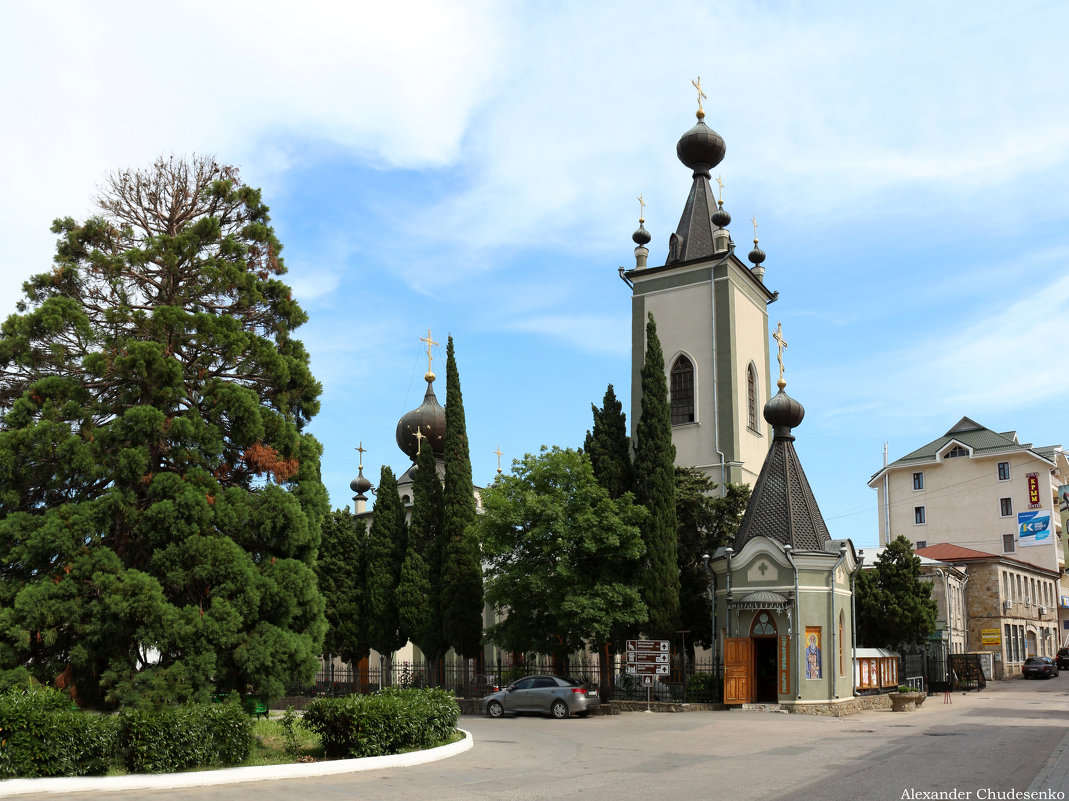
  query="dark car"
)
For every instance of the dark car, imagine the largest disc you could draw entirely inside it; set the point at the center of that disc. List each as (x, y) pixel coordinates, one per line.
(1063, 658)
(551, 695)
(1036, 666)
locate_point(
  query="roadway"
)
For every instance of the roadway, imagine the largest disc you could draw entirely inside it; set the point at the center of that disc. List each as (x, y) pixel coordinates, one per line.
(1013, 735)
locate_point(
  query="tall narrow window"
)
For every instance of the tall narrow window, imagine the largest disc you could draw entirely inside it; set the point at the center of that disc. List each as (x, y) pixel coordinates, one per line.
(1005, 506)
(918, 515)
(1003, 471)
(682, 391)
(918, 481)
(751, 398)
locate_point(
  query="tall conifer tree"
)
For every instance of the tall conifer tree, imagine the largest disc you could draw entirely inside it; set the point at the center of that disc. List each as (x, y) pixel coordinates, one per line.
(419, 594)
(655, 488)
(462, 580)
(385, 554)
(608, 446)
(341, 569)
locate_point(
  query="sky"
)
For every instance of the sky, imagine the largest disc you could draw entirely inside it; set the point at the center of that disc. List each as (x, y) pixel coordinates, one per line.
(472, 168)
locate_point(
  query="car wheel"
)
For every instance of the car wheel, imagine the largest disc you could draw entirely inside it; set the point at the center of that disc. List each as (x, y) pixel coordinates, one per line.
(495, 710)
(559, 710)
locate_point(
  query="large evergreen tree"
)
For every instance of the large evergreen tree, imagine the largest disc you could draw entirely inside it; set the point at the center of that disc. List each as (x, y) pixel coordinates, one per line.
(557, 550)
(894, 606)
(159, 502)
(341, 569)
(706, 521)
(655, 488)
(385, 554)
(608, 446)
(462, 582)
(419, 593)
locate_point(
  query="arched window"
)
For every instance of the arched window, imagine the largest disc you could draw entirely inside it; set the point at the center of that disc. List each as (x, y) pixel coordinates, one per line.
(751, 397)
(682, 390)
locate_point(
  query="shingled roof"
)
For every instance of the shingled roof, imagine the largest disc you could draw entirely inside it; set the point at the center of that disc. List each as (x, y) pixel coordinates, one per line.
(782, 506)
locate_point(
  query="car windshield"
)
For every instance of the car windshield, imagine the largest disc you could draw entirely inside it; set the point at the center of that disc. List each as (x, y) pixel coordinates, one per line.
(1034, 660)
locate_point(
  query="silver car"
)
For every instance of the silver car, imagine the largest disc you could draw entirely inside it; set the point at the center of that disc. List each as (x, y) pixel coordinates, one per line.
(551, 695)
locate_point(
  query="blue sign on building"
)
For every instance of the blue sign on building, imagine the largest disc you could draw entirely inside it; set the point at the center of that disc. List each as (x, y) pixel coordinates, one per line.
(1034, 527)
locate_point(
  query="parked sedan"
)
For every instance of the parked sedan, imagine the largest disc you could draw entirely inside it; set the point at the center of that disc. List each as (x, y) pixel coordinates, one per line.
(550, 695)
(1063, 658)
(1036, 666)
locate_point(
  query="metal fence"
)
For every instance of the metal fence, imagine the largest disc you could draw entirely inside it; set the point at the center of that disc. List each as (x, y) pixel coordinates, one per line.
(693, 683)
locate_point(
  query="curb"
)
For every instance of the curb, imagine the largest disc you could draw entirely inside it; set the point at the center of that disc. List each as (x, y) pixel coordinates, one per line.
(206, 778)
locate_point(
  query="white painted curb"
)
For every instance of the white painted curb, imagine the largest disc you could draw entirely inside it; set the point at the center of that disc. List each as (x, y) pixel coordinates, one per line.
(202, 778)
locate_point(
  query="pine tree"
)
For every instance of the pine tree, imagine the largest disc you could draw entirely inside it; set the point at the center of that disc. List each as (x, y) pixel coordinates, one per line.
(894, 607)
(385, 554)
(655, 488)
(608, 446)
(341, 568)
(419, 593)
(159, 502)
(462, 582)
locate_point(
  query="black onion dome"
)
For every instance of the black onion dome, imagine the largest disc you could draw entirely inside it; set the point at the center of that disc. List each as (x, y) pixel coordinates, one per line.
(360, 484)
(701, 148)
(428, 418)
(641, 236)
(783, 413)
(756, 255)
(721, 218)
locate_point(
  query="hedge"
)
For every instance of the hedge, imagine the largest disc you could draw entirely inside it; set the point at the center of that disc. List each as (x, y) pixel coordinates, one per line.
(387, 722)
(41, 734)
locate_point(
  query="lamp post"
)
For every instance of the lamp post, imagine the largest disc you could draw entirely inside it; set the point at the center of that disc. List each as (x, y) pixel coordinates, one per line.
(712, 618)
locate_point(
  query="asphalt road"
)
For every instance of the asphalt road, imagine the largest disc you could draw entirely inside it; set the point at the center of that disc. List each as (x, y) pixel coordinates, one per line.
(998, 739)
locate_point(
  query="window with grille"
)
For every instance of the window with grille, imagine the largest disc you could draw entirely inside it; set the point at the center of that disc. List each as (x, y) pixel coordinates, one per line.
(682, 391)
(751, 398)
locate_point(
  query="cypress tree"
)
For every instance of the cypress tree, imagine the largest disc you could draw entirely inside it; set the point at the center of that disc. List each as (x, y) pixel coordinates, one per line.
(385, 554)
(608, 446)
(462, 580)
(419, 593)
(341, 568)
(655, 488)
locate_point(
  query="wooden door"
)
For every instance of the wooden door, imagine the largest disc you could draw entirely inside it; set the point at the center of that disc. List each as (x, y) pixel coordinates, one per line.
(738, 670)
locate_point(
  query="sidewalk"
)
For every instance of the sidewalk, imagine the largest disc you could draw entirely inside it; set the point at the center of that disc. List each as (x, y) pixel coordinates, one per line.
(1055, 774)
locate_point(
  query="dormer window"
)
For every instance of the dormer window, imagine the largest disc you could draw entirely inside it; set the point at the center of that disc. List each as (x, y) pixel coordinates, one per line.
(956, 452)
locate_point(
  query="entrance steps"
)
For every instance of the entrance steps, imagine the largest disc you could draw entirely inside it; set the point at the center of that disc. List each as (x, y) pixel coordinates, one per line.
(763, 708)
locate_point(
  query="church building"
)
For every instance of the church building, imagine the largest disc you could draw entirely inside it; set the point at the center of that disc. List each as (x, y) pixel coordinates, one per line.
(712, 321)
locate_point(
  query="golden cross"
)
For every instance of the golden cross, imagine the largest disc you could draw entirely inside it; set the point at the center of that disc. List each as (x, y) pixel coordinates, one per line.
(701, 95)
(781, 343)
(361, 450)
(641, 216)
(754, 221)
(499, 455)
(720, 182)
(429, 342)
(419, 435)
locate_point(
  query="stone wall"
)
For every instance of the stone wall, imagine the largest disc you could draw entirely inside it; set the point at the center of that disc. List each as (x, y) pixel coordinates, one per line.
(852, 706)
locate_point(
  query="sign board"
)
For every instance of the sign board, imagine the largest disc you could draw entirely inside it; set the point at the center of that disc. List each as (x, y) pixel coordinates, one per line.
(1033, 491)
(1035, 528)
(647, 657)
(647, 681)
(990, 637)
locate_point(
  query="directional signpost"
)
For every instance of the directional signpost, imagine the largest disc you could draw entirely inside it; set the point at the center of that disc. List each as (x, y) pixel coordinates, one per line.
(647, 658)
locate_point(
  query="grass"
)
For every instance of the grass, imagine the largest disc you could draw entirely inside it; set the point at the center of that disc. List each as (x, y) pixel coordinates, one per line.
(270, 744)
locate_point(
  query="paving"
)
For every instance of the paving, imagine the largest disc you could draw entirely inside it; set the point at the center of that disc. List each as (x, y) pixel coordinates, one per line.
(1013, 735)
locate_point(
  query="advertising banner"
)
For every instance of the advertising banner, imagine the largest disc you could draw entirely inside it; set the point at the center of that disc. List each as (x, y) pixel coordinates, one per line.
(990, 637)
(1034, 528)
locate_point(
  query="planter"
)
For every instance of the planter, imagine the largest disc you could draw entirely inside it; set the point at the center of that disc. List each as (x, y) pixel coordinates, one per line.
(906, 702)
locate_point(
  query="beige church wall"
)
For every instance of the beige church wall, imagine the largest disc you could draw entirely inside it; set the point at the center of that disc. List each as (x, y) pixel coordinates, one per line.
(750, 344)
(961, 504)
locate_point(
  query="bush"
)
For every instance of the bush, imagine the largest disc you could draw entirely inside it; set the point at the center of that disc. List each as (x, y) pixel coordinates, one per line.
(703, 687)
(42, 735)
(177, 738)
(388, 722)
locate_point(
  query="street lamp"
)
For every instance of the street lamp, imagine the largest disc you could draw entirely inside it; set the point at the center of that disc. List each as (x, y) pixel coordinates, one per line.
(712, 616)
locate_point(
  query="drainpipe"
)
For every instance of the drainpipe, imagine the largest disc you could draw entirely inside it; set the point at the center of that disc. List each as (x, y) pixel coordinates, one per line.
(834, 627)
(789, 553)
(712, 606)
(728, 551)
(625, 279)
(853, 626)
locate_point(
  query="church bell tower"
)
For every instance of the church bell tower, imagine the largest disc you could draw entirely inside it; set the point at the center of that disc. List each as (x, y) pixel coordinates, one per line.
(712, 320)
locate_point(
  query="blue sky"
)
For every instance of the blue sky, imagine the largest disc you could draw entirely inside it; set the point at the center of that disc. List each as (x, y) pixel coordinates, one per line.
(472, 168)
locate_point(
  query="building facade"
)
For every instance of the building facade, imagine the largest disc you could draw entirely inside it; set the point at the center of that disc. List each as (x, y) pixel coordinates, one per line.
(986, 491)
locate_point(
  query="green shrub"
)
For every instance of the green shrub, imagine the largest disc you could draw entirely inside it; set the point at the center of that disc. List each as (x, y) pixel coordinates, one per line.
(703, 688)
(42, 735)
(385, 723)
(177, 738)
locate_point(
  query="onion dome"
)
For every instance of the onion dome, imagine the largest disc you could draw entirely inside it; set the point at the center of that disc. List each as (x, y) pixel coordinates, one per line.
(756, 255)
(721, 218)
(429, 419)
(783, 413)
(360, 484)
(701, 148)
(641, 237)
